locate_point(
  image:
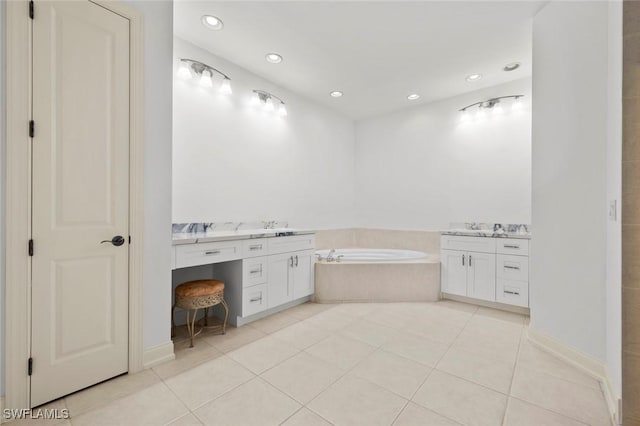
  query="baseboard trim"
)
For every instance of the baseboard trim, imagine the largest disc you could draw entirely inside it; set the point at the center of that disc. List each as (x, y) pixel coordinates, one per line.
(158, 355)
(593, 367)
(486, 303)
(2, 420)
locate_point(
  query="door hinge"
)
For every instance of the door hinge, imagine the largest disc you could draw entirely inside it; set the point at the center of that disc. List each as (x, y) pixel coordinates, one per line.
(30, 366)
(31, 10)
(30, 247)
(32, 128)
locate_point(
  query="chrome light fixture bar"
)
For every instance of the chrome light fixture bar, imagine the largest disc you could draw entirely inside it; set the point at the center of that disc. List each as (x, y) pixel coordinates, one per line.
(491, 103)
(264, 98)
(190, 68)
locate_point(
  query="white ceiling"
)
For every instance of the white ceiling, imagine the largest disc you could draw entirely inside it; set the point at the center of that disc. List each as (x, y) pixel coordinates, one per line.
(377, 53)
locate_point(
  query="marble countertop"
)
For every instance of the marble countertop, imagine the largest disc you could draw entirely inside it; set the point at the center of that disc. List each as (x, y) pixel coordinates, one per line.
(487, 233)
(242, 234)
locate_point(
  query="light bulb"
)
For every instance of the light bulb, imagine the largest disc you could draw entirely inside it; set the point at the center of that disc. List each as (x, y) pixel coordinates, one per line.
(282, 110)
(517, 104)
(268, 105)
(480, 113)
(465, 116)
(205, 79)
(497, 110)
(225, 87)
(184, 72)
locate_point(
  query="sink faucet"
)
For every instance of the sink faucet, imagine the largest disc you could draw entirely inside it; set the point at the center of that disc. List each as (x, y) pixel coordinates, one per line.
(329, 257)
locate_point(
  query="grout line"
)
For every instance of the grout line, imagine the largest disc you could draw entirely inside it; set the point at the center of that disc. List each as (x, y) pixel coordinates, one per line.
(513, 376)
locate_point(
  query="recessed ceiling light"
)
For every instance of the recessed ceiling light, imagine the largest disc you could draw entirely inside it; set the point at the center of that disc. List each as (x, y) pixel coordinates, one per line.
(474, 77)
(274, 58)
(512, 66)
(212, 22)
(336, 94)
(413, 96)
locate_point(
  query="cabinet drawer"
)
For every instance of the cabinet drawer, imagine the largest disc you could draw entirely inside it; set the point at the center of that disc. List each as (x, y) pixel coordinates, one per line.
(292, 243)
(513, 246)
(254, 271)
(513, 267)
(254, 247)
(205, 253)
(512, 292)
(254, 299)
(477, 244)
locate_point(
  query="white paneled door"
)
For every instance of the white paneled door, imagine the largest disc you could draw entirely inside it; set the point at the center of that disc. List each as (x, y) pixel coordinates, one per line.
(80, 181)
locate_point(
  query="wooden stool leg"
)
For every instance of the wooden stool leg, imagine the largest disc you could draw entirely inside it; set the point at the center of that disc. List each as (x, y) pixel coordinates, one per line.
(173, 320)
(206, 316)
(192, 330)
(226, 316)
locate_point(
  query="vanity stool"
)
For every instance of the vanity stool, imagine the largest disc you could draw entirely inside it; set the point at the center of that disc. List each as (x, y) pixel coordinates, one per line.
(194, 295)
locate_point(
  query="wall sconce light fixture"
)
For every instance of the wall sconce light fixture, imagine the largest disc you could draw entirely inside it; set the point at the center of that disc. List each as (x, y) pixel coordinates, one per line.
(493, 105)
(190, 68)
(266, 100)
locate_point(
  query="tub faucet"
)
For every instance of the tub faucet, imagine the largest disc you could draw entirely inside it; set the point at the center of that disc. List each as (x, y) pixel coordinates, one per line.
(339, 257)
(329, 257)
(238, 226)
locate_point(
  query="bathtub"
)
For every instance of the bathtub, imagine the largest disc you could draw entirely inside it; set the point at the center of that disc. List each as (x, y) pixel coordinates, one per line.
(376, 275)
(371, 255)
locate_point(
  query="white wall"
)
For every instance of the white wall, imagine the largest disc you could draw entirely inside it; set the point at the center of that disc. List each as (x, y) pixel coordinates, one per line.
(567, 292)
(614, 188)
(234, 163)
(158, 54)
(2, 183)
(421, 168)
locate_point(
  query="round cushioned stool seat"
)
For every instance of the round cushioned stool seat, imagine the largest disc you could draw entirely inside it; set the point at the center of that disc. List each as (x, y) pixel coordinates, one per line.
(199, 288)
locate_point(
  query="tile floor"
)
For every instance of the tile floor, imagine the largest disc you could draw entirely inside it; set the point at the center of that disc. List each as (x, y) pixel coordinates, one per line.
(406, 364)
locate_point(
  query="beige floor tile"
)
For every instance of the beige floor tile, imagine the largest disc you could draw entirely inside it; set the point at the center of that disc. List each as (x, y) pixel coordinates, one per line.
(572, 400)
(501, 315)
(357, 309)
(106, 392)
(415, 415)
(274, 322)
(438, 331)
(395, 373)
(154, 405)
(416, 348)
(188, 420)
(353, 401)
(307, 310)
(330, 320)
(457, 306)
(520, 413)
(493, 372)
(306, 417)
(235, 338)
(208, 381)
(253, 403)
(369, 332)
(263, 354)
(302, 334)
(492, 327)
(340, 351)
(40, 416)
(488, 343)
(187, 358)
(462, 401)
(389, 318)
(535, 358)
(303, 377)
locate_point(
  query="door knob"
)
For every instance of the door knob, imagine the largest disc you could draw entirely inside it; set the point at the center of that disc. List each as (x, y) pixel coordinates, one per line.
(117, 241)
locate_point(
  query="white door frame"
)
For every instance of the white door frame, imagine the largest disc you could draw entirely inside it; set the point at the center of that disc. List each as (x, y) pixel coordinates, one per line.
(18, 195)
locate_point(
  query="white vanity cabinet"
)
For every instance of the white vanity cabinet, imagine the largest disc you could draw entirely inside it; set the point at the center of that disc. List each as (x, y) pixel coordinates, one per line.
(490, 269)
(470, 269)
(260, 274)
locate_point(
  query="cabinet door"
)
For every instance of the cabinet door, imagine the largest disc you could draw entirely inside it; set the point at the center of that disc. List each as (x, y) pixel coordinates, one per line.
(454, 272)
(279, 276)
(481, 281)
(302, 274)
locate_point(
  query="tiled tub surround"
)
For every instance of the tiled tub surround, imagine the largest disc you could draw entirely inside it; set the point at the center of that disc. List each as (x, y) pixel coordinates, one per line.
(393, 281)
